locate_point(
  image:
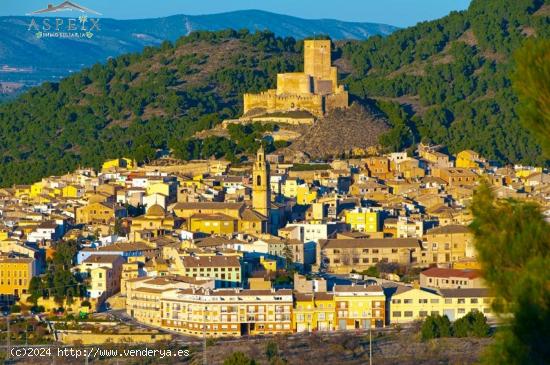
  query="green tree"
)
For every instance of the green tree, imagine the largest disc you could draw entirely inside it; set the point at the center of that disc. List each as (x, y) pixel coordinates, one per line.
(372, 272)
(473, 324)
(512, 237)
(238, 358)
(35, 289)
(271, 350)
(288, 256)
(435, 326)
(532, 83)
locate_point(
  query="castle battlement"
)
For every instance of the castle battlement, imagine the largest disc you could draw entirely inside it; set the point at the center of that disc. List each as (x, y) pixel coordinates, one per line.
(315, 90)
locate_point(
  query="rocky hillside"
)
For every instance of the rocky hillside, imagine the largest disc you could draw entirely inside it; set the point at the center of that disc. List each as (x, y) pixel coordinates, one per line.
(340, 132)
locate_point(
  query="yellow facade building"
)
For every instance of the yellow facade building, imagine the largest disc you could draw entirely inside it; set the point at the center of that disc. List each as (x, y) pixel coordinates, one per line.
(313, 312)
(359, 307)
(409, 304)
(15, 275)
(315, 90)
(363, 220)
(227, 312)
(125, 163)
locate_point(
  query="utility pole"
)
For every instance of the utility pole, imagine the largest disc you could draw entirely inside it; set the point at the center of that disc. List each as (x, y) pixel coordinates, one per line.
(8, 338)
(204, 318)
(370, 344)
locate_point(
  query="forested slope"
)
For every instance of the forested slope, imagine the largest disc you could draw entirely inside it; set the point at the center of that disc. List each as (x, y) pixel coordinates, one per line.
(451, 78)
(445, 81)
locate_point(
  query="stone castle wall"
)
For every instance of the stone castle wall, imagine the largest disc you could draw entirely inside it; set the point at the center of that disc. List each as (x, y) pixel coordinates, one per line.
(271, 102)
(315, 90)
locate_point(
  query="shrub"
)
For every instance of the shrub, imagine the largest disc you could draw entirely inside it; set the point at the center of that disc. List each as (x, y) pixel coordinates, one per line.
(271, 350)
(238, 358)
(435, 326)
(474, 324)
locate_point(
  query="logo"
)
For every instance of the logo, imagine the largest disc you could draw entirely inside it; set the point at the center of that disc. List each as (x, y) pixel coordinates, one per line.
(65, 27)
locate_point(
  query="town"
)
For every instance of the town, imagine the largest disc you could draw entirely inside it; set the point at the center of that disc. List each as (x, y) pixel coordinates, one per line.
(202, 248)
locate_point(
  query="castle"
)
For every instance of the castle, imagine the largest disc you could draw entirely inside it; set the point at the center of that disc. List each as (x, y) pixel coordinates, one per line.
(315, 90)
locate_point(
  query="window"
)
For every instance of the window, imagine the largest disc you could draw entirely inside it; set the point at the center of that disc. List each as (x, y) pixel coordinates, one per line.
(423, 313)
(407, 301)
(423, 301)
(396, 301)
(396, 314)
(434, 301)
(473, 300)
(448, 301)
(258, 180)
(408, 313)
(461, 310)
(461, 301)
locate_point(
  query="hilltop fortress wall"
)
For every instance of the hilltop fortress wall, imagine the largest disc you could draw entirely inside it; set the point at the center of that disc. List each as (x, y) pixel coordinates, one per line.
(315, 90)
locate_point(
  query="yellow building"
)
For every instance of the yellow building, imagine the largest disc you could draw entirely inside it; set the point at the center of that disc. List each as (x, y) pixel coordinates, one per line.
(15, 275)
(447, 244)
(468, 159)
(226, 270)
(99, 213)
(249, 221)
(344, 255)
(155, 220)
(363, 220)
(72, 191)
(313, 312)
(36, 189)
(124, 162)
(411, 304)
(219, 224)
(143, 295)
(305, 195)
(359, 307)
(22, 191)
(268, 264)
(315, 90)
(227, 312)
(290, 188)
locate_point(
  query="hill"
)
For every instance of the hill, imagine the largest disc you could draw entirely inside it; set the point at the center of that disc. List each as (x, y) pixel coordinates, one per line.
(445, 81)
(56, 57)
(449, 81)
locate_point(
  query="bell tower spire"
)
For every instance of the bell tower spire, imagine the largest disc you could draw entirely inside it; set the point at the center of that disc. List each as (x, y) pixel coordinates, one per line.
(261, 199)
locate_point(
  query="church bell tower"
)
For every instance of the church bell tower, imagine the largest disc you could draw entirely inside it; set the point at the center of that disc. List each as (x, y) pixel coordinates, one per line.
(261, 199)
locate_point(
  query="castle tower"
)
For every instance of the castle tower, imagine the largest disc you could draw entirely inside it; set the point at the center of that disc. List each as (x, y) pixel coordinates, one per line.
(261, 199)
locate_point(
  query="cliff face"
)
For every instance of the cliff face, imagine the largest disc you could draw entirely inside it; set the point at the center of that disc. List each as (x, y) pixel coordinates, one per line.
(341, 131)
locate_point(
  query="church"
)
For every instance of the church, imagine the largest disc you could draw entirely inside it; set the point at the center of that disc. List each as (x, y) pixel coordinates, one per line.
(315, 90)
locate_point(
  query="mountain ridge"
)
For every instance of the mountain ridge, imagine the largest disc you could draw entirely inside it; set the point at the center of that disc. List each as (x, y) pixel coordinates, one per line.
(55, 58)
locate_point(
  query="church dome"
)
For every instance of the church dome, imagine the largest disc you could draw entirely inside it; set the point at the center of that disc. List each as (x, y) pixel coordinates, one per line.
(156, 211)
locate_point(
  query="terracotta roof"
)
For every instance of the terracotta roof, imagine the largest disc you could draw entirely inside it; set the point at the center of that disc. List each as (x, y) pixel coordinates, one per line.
(101, 259)
(370, 243)
(207, 205)
(449, 229)
(211, 261)
(445, 273)
(465, 293)
(357, 288)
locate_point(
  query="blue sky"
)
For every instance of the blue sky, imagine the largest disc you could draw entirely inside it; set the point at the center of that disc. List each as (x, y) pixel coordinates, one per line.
(395, 12)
